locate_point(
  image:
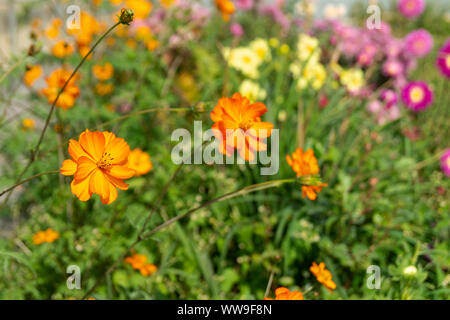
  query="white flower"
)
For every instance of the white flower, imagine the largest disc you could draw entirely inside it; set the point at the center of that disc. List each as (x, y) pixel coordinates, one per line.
(261, 47)
(334, 12)
(243, 59)
(410, 271)
(252, 90)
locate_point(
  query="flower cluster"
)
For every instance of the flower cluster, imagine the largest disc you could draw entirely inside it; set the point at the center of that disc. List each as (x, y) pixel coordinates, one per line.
(283, 293)
(48, 235)
(323, 275)
(139, 262)
(55, 82)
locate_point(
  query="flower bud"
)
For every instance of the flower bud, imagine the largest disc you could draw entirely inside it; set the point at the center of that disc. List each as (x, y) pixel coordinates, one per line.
(126, 16)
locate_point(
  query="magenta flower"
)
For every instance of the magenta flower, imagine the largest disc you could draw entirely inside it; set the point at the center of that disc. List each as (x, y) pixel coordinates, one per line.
(411, 8)
(237, 30)
(244, 4)
(445, 162)
(389, 97)
(418, 43)
(417, 96)
(443, 59)
(392, 68)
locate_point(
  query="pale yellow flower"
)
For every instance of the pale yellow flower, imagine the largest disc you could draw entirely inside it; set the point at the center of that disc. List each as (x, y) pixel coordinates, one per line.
(243, 59)
(252, 91)
(308, 48)
(261, 47)
(352, 79)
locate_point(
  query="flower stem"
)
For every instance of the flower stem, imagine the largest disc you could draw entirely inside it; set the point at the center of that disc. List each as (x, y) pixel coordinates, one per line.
(26, 180)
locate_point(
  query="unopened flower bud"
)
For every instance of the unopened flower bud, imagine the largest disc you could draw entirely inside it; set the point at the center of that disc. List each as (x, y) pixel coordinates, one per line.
(126, 16)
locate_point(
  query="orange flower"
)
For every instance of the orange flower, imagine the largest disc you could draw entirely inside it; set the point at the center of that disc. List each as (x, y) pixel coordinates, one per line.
(104, 72)
(139, 262)
(323, 275)
(226, 7)
(55, 82)
(237, 125)
(305, 164)
(152, 44)
(139, 161)
(166, 3)
(48, 235)
(99, 163)
(53, 31)
(28, 124)
(103, 88)
(62, 49)
(32, 74)
(283, 293)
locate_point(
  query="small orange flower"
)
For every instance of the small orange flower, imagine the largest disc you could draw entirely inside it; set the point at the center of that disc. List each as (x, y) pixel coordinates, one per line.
(283, 293)
(152, 44)
(323, 275)
(305, 164)
(28, 124)
(103, 88)
(55, 82)
(139, 161)
(226, 8)
(53, 31)
(139, 262)
(99, 163)
(48, 235)
(104, 72)
(166, 3)
(32, 74)
(62, 49)
(237, 124)
(141, 8)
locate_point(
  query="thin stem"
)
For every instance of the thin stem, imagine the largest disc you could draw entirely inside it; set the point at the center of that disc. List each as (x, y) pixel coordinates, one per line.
(26, 180)
(269, 284)
(18, 63)
(47, 121)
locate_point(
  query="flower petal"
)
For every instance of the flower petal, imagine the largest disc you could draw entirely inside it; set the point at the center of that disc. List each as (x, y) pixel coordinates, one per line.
(121, 172)
(119, 150)
(93, 143)
(75, 150)
(80, 188)
(85, 168)
(98, 184)
(69, 167)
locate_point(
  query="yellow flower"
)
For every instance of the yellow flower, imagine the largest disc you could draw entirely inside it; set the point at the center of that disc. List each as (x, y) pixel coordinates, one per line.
(141, 8)
(139, 161)
(252, 91)
(53, 31)
(48, 235)
(243, 59)
(323, 275)
(103, 88)
(104, 72)
(352, 79)
(312, 74)
(62, 49)
(261, 48)
(308, 48)
(32, 74)
(274, 42)
(28, 124)
(284, 49)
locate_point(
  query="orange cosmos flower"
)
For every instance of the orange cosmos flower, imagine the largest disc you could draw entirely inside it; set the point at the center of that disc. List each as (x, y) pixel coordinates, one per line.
(48, 235)
(305, 164)
(104, 72)
(152, 44)
(139, 161)
(103, 88)
(141, 8)
(226, 7)
(283, 293)
(28, 124)
(55, 82)
(166, 3)
(237, 125)
(53, 31)
(139, 262)
(323, 275)
(32, 74)
(99, 163)
(62, 49)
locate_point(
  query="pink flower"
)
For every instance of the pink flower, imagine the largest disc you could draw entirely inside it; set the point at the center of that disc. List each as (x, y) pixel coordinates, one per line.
(443, 59)
(244, 4)
(237, 30)
(411, 8)
(392, 68)
(418, 43)
(445, 162)
(417, 96)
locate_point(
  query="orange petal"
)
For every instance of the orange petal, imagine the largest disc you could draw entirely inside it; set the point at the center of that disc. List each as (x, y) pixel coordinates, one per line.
(69, 167)
(98, 184)
(121, 172)
(254, 110)
(119, 150)
(75, 150)
(80, 188)
(93, 143)
(117, 182)
(261, 129)
(85, 168)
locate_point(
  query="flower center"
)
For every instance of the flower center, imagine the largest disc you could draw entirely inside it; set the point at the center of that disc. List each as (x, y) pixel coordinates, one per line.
(247, 59)
(447, 61)
(416, 94)
(448, 162)
(245, 125)
(105, 161)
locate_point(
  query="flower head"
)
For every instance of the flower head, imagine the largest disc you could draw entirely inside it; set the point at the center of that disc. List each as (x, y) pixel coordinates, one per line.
(48, 235)
(411, 8)
(305, 164)
(418, 43)
(237, 30)
(139, 161)
(28, 124)
(104, 72)
(283, 293)
(139, 8)
(104, 88)
(443, 59)
(226, 8)
(323, 275)
(237, 125)
(252, 90)
(32, 74)
(62, 49)
(139, 262)
(352, 79)
(417, 95)
(55, 83)
(445, 162)
(99, 163)
(392, 68)
(243, 59)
